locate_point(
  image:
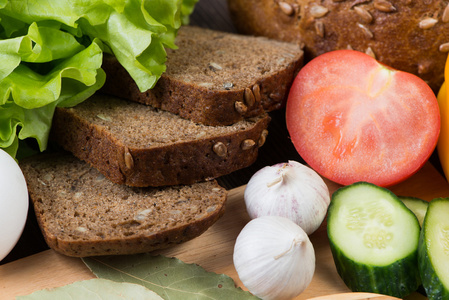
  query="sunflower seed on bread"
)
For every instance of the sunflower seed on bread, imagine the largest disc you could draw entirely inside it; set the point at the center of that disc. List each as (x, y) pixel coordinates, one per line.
(208, 77)
(138, 145)
(411, 36)
(82, 213)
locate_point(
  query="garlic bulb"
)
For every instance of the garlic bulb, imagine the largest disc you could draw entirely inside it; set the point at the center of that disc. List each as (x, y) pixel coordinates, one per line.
(291, 190)
(274, 258)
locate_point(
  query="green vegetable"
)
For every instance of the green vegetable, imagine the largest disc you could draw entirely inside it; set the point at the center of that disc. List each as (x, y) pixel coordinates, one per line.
(94, 289)
(434, 250)
(374, 240)
(168, 277)
(51, 53)
(417, 206)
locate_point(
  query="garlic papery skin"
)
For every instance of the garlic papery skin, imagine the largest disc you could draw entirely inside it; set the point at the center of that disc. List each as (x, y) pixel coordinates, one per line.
(274, 258)
(291, 190)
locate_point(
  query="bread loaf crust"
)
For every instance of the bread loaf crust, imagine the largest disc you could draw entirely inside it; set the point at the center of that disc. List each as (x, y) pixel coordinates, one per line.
(408, 35)
(179, 162)
(187, 96)
(83, 214)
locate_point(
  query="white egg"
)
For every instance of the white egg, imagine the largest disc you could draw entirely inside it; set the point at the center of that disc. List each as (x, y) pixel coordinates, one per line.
(13, 203)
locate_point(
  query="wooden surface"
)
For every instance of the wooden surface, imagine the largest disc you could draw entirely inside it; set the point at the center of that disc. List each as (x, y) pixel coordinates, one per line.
(213, 250)
(355, 296)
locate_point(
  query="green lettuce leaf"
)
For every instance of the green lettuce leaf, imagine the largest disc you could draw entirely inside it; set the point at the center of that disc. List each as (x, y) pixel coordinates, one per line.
(36, 96)
(51, 53)
(129, 28)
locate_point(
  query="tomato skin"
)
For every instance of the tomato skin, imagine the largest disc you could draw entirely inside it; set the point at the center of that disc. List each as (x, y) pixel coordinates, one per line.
(353, 119)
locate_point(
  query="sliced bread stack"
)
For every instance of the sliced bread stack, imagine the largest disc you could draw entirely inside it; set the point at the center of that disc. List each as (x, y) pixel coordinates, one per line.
(144, 173)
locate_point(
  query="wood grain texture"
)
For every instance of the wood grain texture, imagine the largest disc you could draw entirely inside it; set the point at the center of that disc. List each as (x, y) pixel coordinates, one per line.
(213, 250)
(355, 296)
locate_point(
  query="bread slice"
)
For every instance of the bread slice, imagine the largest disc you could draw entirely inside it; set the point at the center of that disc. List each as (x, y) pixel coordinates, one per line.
(137, 145)
(215, 78)
(81, 213)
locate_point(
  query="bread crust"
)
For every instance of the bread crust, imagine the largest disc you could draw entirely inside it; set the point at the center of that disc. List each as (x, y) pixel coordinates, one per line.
(202, 104)
(128, 245)
(407, 35)
(80, 229)
(180, 162)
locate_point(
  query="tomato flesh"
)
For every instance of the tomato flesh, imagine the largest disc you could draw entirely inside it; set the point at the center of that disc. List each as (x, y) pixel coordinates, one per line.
(353, 119)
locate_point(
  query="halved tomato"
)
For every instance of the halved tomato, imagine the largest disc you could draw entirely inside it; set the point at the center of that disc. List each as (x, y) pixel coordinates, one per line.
(353, 119)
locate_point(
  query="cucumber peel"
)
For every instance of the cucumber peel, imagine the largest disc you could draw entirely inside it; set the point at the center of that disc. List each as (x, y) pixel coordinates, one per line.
(433, 253)
(374, 240)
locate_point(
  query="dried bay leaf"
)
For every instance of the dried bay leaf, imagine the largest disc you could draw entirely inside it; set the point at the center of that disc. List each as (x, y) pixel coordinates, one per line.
(95, 289)
(169, 277)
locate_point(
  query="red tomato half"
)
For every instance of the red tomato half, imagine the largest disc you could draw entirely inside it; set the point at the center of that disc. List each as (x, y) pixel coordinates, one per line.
(353, 119)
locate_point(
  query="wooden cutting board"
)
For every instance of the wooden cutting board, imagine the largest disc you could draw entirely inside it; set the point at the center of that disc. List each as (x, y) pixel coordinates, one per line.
(213, 250)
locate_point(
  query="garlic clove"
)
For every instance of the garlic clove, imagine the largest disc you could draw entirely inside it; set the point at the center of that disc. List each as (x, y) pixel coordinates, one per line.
(274, 258)
(290, 190)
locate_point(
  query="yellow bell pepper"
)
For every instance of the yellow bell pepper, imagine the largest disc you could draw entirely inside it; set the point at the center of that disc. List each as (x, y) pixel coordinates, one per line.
(443, 141)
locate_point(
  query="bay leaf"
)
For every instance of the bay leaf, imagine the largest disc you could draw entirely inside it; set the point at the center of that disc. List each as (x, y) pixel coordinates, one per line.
(95, 289)
(169, 277)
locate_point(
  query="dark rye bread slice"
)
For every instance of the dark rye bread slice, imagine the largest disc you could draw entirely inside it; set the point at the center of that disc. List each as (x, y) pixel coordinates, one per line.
(137, 145)
(215, 78)
(81, 213)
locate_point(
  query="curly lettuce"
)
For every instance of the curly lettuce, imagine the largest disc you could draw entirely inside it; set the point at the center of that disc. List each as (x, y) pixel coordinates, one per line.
(51, 53)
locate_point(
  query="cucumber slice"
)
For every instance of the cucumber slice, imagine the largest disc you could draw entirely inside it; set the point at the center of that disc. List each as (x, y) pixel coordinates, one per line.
(433, 253)
(374, 240)
(417, 206)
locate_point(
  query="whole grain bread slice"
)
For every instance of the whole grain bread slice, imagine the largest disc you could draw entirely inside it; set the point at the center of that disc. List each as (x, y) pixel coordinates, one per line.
(214, 77)
(138, 145)
(81, 213)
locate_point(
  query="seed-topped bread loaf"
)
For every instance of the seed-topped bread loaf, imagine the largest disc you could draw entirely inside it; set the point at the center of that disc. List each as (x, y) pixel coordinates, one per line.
(408, 35)
(215, 78)
(138, 145)
(81, 213)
